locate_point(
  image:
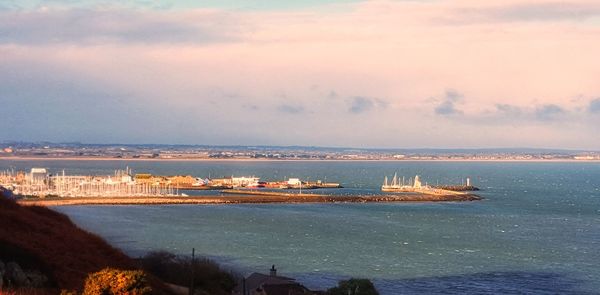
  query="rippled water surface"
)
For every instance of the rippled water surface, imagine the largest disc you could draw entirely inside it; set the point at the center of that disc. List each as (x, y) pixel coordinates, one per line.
(537, 231)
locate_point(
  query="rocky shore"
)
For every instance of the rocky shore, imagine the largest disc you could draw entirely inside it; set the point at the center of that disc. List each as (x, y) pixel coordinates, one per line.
(248, 199)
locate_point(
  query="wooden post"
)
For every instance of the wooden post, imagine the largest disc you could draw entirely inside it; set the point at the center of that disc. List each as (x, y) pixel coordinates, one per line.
(192, 272)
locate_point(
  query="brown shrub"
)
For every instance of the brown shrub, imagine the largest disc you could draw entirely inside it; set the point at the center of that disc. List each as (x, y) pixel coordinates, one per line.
(113, 281)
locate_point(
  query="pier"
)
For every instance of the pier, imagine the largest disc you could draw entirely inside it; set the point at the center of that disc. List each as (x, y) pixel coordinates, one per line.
(464, 187)
(458, 188)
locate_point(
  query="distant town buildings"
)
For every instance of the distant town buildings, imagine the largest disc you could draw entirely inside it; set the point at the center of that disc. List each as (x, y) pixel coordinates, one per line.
(46, 150)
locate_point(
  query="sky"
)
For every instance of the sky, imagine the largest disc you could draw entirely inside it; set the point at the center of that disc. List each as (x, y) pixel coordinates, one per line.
(387, 74)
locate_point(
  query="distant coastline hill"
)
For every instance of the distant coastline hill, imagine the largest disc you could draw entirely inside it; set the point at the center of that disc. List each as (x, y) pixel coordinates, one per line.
(11, 149)
(428, 150)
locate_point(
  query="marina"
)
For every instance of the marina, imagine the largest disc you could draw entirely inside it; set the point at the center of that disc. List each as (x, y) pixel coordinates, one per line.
(39, 182)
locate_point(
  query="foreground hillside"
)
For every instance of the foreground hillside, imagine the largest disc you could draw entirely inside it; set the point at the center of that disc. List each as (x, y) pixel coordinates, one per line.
(49, 244)
(43, 252)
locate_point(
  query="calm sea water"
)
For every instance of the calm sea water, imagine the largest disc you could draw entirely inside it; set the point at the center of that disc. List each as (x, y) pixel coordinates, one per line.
(537, 231)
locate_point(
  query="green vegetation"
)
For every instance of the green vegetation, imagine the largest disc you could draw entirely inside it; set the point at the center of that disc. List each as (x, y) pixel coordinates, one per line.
(354, 287)
(208, 276)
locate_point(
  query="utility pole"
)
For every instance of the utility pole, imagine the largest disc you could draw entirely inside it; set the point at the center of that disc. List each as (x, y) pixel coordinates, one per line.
(192, 272)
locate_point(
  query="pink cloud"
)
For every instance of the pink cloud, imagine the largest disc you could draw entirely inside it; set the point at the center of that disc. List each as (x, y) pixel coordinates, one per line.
(523, 54)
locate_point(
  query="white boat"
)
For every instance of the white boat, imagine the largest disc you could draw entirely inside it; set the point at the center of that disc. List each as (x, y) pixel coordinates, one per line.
(397, 186)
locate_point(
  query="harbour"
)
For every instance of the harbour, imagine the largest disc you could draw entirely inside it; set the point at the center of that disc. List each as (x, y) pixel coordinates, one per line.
(40, 183)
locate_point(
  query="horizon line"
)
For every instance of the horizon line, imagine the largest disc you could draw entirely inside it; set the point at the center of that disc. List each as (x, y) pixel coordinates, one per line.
(5, 142)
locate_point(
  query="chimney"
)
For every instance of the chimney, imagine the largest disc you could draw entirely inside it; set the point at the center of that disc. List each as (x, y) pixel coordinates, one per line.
(273, 271)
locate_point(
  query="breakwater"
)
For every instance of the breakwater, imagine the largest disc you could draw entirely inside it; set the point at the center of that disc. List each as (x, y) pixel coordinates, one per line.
(247, 199)
(458, 188)
(268, 193)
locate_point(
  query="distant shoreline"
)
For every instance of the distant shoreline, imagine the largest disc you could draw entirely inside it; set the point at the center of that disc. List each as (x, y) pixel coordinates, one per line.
(246, 199)
(281, 160)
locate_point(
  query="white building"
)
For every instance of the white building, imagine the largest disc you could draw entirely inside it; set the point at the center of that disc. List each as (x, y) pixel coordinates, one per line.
(244, 181)
(294, 181)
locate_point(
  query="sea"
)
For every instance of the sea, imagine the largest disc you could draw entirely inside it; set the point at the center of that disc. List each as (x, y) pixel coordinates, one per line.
(537, 230)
